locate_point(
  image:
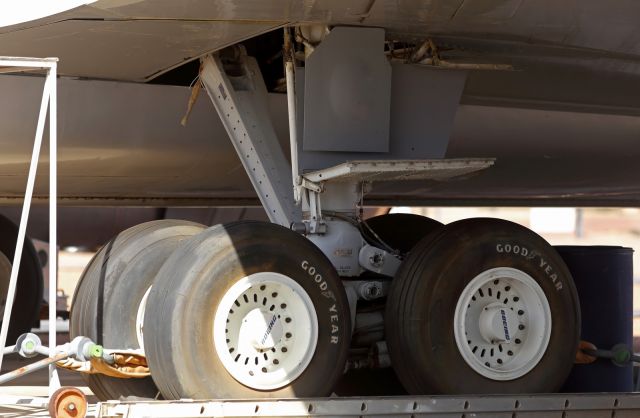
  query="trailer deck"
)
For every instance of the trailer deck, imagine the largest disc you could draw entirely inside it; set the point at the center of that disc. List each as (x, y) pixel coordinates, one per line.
(544, 405)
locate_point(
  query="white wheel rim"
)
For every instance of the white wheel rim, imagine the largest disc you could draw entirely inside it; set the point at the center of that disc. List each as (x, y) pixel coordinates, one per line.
(265, 330)
(142, 307)
(502, 323)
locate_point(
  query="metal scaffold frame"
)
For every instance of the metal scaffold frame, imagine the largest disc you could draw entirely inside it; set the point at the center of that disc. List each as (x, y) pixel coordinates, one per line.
(47, 107)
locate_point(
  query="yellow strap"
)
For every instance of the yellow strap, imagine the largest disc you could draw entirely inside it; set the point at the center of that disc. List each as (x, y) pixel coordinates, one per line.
(126, 366)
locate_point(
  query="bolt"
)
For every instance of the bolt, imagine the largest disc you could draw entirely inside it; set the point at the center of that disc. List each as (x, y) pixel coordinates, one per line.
(520, 312)
(510, 352)
(96, 351)
(287, 320)
(376, 260)
(499, 361)
(518, 341)
(520, 327)
(515, 298)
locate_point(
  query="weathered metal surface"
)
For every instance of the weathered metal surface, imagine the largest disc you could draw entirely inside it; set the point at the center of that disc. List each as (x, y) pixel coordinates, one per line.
(544, 155)
(399, 170)
(244, 114)
(559, 405)
(30, 368)
(140, 39)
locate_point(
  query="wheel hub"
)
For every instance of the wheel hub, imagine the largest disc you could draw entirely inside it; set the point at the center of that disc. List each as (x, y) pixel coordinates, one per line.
(502, 323)
(261, 329)
(265, 330)
(497, 323)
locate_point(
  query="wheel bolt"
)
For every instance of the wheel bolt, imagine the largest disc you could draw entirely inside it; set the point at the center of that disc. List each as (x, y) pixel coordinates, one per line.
(276, 361)
(274, 295)
(288, 335)
(520, 312)
(487, 364)
(284, 349)
(507, 288)
(263, 287)
(515, 298)
(520, 327)
(283, 306)
(510, 352)
(499, 361)
(518, 341)
(287, 320)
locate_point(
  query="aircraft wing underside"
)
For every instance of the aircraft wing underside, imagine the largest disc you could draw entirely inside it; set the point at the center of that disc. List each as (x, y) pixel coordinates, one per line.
(564, 124)
(136, 40)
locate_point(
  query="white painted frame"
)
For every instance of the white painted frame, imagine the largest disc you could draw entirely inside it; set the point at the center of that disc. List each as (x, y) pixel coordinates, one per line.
(48, 105)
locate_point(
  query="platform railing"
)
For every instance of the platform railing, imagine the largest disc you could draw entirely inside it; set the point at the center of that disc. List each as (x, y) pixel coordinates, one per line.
(48, 107)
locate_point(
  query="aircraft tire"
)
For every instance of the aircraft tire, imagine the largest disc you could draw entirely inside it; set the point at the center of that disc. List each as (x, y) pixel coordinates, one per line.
(108, 304)
(401, 231)
(28, 297)
(259, 312)
(492, 309)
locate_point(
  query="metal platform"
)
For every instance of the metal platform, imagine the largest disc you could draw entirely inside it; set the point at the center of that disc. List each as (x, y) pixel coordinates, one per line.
(554, 405)
(393, 170)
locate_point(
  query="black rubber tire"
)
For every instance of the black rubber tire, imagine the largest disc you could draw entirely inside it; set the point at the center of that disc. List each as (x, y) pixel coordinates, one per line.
(424, 294)
(107, 297)
(181, 352)
(402, 231)
(28, 298)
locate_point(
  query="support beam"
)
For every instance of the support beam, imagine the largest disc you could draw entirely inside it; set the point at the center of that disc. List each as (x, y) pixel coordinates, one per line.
(241, 103)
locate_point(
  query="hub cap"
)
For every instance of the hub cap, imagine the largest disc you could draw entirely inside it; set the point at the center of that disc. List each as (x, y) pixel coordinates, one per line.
(502, 323)
(265, 330)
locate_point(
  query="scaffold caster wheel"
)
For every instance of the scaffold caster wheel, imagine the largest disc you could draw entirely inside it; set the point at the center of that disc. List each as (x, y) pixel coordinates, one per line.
(67, 402)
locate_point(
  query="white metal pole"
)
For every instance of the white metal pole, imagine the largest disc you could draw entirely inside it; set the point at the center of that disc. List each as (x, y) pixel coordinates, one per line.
(291, 106)
(54, 381)
(17, 257)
